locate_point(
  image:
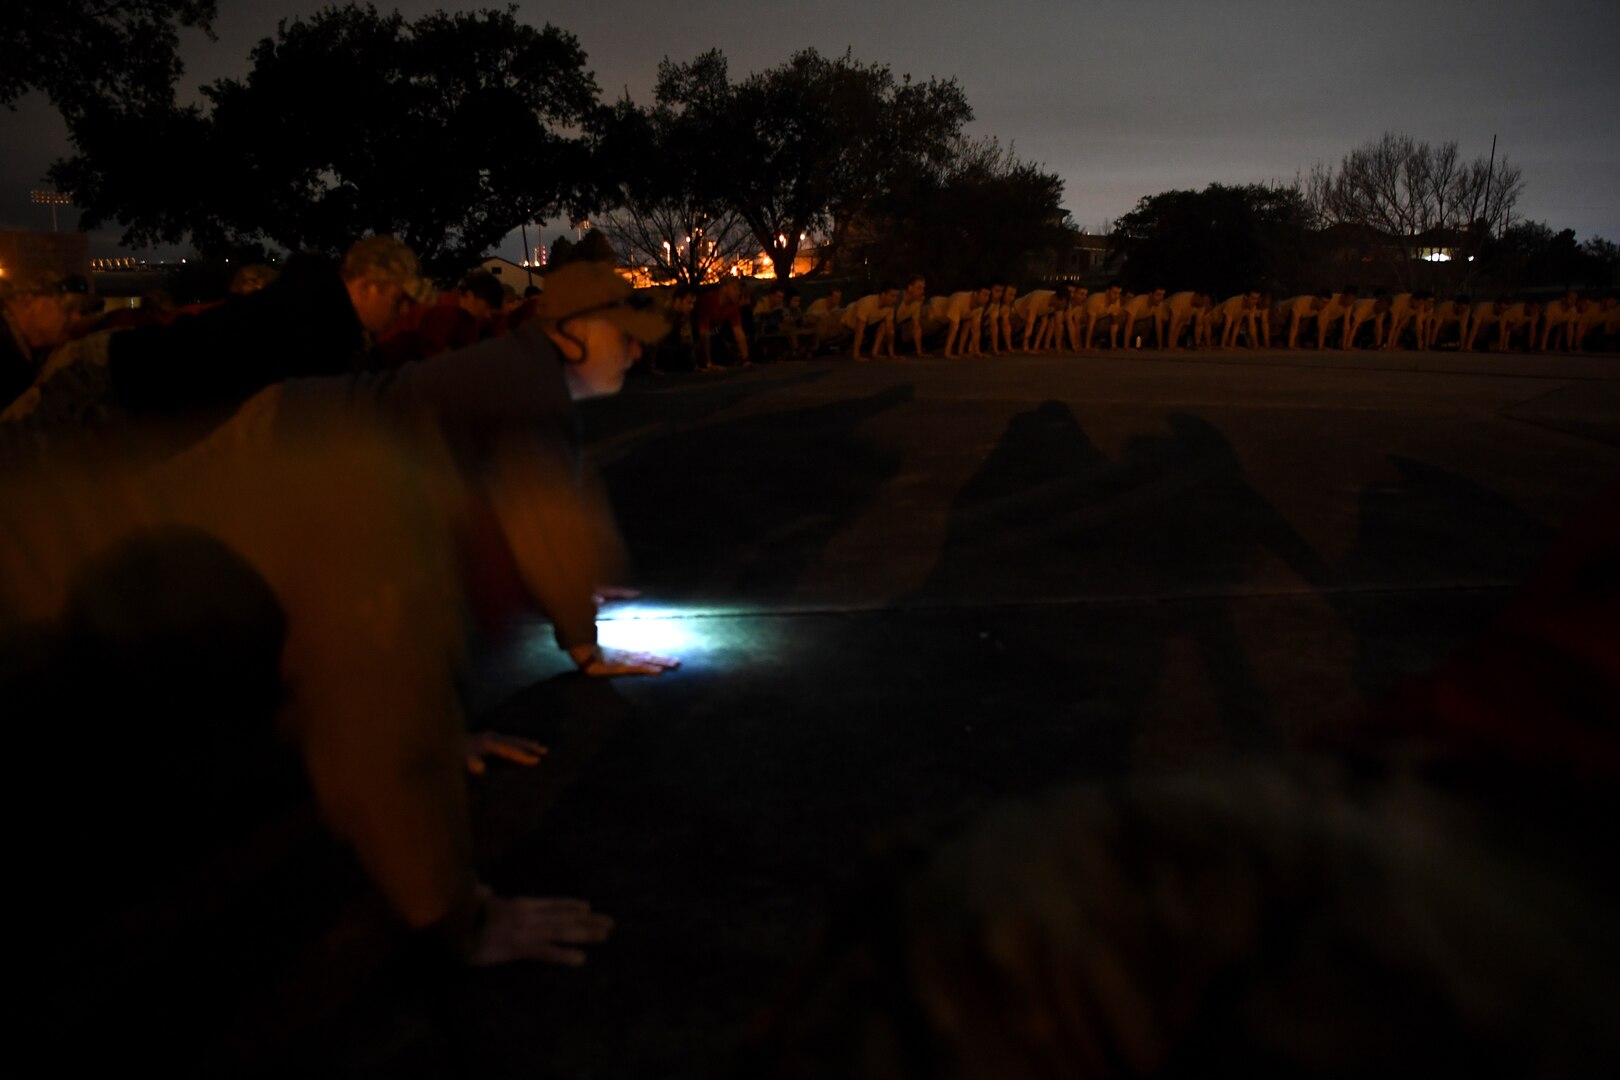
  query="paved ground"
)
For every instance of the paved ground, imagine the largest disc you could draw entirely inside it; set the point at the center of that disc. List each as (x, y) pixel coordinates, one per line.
(903, 589)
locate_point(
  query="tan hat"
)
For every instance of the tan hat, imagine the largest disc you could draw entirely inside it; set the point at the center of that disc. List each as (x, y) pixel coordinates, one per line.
(594, 290)
(387, 259)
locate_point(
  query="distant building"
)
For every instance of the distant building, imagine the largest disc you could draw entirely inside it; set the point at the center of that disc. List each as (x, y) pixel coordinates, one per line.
(1080, 257)
(507, 272)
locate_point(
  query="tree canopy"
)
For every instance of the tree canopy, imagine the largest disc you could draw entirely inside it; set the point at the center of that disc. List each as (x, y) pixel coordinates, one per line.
(1418, 194)
(1225, 239)
(669, 210)
(448, 131)
(982, 214)
(80, 52)
(807, 146)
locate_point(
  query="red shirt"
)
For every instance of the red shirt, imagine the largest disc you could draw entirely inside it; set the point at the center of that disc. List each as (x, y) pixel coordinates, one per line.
(713, 308)
(428, 330)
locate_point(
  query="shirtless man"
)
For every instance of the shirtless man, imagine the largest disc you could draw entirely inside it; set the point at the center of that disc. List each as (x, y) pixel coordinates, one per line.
(1524, 316)
(1451, 311)
(1336, 316)
(1375, 310)
(1596, 316)
(1033, 311)
(1138, 309)
(1054, 327)
(1245, 311)
(824, 319)
(998, 316)
(970, 341)
(1406, 310)
(1105, 307)
(1296, 310)
(1485, 313)
(908, 310)
(1181, 310)
(957, 315)
(875, 309)
(1075, 315)
(1561, 317)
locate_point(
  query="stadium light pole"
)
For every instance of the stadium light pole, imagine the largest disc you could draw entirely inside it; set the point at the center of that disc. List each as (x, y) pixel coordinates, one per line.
(53, 199)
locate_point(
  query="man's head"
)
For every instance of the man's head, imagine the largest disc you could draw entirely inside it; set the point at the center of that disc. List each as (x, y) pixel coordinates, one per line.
(481, 294)
(888, 294)
(1157, 296)
(683, 300)
(835, 297)
(383, 279)
(590, 313)
(916, 286)
(1114, 291)
(250, 279)
(43, 306)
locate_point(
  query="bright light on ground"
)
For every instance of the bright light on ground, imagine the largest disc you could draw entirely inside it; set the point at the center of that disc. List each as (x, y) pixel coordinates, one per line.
(643, 628)
(694, 634)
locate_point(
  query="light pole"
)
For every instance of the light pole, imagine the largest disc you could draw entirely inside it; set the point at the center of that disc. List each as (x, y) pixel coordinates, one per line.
(53, 199)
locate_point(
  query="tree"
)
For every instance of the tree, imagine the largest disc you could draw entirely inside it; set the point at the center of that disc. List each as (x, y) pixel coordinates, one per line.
(984, 214)
(807, 146)
(80, 52)
(1530, 254)
(448, 131)
(1225, 239)
(663, 213)
(1418, 194)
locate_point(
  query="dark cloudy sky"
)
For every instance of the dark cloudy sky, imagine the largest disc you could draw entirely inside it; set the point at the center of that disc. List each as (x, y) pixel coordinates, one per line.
(1121, 100)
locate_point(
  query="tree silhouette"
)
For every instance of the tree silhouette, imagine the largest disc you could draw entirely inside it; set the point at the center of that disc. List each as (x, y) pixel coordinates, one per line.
(81, 52)
(807, 146)
(1223, 240)
(448, 131)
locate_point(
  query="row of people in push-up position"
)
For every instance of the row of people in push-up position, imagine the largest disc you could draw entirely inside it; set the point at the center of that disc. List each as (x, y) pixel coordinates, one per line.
(995, 318)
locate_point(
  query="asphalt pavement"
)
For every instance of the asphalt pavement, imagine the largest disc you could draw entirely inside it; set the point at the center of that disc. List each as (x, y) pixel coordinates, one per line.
(906, 589)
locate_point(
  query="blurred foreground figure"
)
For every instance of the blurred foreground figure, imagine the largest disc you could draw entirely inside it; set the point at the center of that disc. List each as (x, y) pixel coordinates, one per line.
(160, 388)
(36, 315)
(537, 530)
(1433, 895)
(189, 624)
(300, 580)
(1254, 922)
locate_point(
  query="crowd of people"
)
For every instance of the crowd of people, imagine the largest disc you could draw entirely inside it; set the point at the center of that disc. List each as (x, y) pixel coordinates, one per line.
(279, 520)
(734, 324)
(721, 326)
(283, 519)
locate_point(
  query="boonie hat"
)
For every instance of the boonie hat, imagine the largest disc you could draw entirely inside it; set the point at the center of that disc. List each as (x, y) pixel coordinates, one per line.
(594, 290)
(385, 258)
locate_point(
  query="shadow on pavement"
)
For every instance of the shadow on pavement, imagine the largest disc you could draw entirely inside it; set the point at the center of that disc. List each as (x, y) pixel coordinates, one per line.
(791, 479)
(1172, 525)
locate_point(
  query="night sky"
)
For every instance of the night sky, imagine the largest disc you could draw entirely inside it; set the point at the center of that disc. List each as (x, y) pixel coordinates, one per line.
(1120, 101)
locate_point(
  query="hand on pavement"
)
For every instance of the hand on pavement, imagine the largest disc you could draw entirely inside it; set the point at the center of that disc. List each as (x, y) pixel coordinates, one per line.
(538, 928)
(608, 593)
(488, 744)
(608, 663)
